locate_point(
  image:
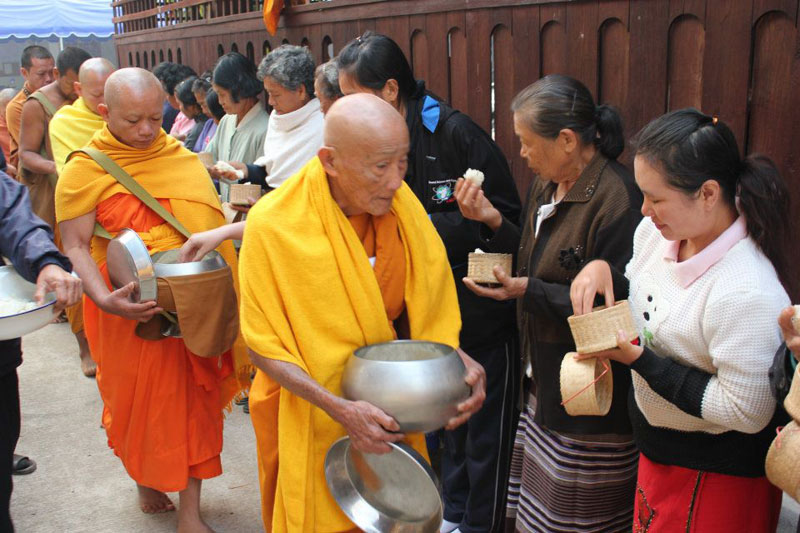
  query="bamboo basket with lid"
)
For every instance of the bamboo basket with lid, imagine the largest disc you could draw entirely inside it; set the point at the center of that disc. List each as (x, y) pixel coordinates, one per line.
(480, 266)
(241, 193)
(597, 331)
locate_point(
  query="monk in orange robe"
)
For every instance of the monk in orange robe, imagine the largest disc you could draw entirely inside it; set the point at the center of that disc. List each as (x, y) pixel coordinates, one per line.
(162, 404)
(329, 262)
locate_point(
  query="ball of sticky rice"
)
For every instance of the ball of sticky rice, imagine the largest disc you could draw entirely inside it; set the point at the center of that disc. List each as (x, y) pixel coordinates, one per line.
(475, 176)
(224, 166)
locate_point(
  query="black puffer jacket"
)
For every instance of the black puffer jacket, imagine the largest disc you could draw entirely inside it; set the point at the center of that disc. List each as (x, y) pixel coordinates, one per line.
(444, 144)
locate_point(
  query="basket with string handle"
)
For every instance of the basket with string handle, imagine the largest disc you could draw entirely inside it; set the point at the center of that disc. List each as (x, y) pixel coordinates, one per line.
(783, 460)
(792, 401)
(480, 267)
(597, 331)
(587, 386)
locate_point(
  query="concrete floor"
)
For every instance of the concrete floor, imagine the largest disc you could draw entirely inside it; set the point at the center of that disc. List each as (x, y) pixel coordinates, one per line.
(81, 487)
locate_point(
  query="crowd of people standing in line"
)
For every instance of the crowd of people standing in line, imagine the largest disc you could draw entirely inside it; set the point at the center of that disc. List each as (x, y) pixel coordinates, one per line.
(355, 156)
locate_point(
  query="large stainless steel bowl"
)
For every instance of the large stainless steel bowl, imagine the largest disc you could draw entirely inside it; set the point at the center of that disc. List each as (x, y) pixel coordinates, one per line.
(419, 383)
(395, 492)
(167, 264)
(12, 285)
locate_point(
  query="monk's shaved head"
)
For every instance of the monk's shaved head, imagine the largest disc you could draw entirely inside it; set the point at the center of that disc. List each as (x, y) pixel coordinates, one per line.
(365, 154)
(95, 68)
(357, 119)
(129, 85)
(92, 80)
(133, 107)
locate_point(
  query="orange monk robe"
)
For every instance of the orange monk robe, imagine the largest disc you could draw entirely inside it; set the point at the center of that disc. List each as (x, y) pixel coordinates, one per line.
(162, 404)
(5, 139)
(14, 122)
(310, 297)
(272, 14)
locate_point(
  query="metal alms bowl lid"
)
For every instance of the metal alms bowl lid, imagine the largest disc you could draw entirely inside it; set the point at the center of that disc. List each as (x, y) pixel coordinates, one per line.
(394, 492)
(128, 260)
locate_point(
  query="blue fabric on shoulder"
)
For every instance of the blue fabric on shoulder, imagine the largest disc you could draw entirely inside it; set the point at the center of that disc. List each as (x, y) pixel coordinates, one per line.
(430, 113)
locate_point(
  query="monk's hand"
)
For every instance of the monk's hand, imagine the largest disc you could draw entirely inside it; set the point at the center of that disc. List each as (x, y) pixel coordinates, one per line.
(476, 379)
(119, 303)
(625, 352)
(595, 278)
(475, 206)
(509, 289)
(67, 288)
(369, 428)
(790, 335)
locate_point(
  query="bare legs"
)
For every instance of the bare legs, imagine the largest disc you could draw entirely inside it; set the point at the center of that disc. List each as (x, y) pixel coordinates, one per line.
(88, 366)
(189, 520)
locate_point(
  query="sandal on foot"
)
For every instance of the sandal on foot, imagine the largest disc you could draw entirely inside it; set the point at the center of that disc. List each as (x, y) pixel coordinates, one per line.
(22, 465)
(241, 401)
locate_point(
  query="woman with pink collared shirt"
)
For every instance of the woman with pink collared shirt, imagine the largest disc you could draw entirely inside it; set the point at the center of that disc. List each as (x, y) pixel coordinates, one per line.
(704, 285)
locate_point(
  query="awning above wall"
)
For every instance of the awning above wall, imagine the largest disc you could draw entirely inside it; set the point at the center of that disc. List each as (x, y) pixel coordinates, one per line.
(62, 18)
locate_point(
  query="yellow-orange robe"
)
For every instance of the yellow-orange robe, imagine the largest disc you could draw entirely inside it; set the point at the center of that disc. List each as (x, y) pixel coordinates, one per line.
(72, 127)
(162, 404)
(309, 297)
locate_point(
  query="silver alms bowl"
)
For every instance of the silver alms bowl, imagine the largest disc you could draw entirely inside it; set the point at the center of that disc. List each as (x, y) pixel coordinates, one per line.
(12, 285)
(419, 383)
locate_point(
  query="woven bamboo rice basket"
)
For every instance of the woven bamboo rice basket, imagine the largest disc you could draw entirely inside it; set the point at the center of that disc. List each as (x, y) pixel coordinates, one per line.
(597, 330)
(581, 397)
(480, 267)
(207, 158)
(783, 460)
(792, 401)
(796, 319)
(241, 193)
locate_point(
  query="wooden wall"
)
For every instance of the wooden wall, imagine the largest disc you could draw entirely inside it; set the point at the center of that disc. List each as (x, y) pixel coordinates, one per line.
(738, 59)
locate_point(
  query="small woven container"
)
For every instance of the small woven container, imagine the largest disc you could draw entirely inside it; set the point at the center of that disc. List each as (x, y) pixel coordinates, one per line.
(783, 460)
(597, 330)
(792, 401)
(480, 267)
(576, 376)
(240, 193)
(207, 158)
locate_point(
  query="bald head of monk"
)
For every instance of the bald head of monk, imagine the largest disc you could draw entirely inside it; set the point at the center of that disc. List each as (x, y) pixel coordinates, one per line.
(6, 95)
(92, 80)
(132, 108)
(365, 154)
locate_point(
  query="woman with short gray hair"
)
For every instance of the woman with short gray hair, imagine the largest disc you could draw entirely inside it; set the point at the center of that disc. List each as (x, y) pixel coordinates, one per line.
(295, 126)
(326, 85)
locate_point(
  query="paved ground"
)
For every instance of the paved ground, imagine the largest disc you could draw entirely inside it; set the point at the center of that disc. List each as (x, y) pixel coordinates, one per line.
(81, 487)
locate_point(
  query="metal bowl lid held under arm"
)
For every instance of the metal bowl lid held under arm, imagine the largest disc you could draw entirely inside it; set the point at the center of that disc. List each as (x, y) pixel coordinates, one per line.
(128, 260)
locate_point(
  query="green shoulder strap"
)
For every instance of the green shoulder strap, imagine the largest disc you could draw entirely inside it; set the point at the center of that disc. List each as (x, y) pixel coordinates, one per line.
(127, 181)
(48, 106)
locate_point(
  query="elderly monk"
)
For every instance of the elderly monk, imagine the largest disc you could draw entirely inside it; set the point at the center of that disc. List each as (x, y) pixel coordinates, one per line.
(36, 167)
(6, 95)
(73, 126)
(162, 404)
(310, 296)
(36, 66)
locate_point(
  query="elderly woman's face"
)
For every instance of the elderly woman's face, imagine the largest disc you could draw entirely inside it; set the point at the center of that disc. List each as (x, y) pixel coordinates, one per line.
(675, 214)
(282, 99)
(325, 103)
(227, 103)
(545, 157)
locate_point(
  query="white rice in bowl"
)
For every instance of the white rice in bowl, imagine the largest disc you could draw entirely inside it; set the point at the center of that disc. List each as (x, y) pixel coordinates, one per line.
(13, 306)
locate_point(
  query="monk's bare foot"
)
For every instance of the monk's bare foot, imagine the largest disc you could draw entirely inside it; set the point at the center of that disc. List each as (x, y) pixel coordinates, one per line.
(88, 366)
(192, 524)
(153, 501)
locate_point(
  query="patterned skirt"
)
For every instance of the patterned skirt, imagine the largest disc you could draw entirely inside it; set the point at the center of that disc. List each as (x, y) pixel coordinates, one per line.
(560, 484)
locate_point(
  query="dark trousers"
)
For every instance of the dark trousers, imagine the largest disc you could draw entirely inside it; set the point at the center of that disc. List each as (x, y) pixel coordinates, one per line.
(9, 434)
(477, 455)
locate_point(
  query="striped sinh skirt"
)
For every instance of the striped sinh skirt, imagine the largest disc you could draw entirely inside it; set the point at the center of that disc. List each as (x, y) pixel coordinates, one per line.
(559, 484)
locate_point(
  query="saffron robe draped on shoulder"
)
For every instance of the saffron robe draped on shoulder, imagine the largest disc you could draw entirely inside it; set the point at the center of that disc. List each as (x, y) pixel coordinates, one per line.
(71, 128)
(162, 404)
(310, 298)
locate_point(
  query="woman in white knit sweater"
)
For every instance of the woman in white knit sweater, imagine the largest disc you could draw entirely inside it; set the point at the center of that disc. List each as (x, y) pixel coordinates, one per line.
(704, 286)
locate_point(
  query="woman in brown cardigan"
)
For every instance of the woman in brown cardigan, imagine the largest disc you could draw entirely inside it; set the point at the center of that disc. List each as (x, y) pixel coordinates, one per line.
(568, 473)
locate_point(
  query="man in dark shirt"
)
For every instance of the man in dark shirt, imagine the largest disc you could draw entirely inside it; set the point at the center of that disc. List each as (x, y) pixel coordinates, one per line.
(28, 242)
